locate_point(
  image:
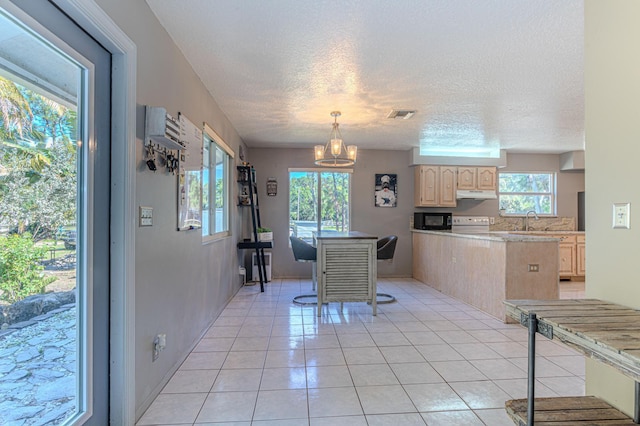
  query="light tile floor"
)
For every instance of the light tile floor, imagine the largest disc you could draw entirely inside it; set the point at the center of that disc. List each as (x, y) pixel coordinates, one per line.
(426, 359)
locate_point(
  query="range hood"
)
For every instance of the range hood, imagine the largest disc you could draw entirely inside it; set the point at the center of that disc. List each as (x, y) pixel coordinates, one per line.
(476, 194)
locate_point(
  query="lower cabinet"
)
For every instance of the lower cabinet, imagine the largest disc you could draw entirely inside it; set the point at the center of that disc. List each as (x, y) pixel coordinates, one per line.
(567, 252)
(572, 255)
(580, 256)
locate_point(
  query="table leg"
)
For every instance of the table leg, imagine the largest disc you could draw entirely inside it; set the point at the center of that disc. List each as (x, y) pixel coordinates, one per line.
(319, 284)
(531, 380)
(314, 275)
(636, 405)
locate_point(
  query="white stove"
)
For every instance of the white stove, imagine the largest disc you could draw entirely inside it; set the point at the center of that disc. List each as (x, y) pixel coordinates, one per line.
(470, 224)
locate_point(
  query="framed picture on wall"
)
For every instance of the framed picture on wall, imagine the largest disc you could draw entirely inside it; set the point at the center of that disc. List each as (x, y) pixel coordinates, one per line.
(386, 190)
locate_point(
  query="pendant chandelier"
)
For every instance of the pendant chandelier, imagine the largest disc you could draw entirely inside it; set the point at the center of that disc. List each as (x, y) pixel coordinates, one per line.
(334, 153)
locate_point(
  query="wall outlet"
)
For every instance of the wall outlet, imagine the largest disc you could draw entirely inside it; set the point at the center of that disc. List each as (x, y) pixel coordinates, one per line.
(621, 213)
(534, 267)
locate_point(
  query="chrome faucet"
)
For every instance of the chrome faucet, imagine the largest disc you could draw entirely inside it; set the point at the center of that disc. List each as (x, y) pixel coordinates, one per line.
(526, 219)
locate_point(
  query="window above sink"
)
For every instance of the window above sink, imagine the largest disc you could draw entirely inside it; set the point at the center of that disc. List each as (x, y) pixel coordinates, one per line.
(522, 192)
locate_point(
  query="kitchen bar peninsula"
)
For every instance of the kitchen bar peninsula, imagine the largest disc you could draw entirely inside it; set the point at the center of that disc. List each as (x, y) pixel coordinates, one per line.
(484, 270)
(346, 267)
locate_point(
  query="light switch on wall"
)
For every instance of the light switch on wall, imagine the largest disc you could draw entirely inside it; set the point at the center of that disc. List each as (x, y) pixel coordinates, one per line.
(146, 216)
(621, 213)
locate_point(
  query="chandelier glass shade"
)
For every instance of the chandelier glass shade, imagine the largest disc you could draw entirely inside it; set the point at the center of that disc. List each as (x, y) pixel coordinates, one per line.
(335, 153)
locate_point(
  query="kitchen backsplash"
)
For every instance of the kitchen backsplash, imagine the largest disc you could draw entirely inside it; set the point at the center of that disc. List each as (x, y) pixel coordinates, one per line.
(542, 224)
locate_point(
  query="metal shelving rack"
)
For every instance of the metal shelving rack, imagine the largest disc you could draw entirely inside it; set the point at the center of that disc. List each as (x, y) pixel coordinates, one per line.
(247, 177)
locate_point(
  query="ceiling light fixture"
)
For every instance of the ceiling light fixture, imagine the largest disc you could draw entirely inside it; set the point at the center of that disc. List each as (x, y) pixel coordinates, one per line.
(334, 153)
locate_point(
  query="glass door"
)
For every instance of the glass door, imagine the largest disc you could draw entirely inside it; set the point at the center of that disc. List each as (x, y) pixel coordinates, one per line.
(54, 219)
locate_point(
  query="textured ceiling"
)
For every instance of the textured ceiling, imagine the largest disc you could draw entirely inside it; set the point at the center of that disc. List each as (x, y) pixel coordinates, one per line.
(497, 73)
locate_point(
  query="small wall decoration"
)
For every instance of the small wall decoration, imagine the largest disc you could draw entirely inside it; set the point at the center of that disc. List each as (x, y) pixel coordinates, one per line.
(272, 187)
(386, 190)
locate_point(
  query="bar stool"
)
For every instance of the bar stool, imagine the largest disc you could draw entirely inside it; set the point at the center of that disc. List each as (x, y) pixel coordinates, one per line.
(305, 252)
(386, 248)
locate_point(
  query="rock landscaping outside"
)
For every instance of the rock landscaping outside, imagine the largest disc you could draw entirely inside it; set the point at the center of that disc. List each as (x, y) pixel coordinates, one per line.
(38, 345)
(38, 370)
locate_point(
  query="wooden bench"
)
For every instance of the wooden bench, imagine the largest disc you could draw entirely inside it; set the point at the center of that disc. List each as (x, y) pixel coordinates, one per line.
(604, 331)
(581, 410)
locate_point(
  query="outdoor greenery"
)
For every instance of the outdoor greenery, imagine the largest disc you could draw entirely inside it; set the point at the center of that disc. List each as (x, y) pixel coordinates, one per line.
(523, 192)
(20, 269)
(37, 162)
(303, 196)
(333, 199)
(37, 184)
(215, 188)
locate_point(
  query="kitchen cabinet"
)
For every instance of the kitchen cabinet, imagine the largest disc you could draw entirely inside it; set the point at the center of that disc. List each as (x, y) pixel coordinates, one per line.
(477, 178)
(572, 255)
(467, 178)
(435, 186)
(580, 256)
(567, 252)
(487, 178)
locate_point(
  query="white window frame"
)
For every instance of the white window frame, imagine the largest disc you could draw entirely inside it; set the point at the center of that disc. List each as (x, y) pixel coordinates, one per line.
(551, 194)
(319, 171)
(214, 142)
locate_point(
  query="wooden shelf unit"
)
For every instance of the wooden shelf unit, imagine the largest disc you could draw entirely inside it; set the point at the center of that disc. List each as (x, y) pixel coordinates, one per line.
(604, 331)
(578, 410)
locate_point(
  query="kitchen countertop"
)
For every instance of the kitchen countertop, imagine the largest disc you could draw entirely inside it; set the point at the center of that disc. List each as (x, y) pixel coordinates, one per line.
(538, 232)
(516, 236)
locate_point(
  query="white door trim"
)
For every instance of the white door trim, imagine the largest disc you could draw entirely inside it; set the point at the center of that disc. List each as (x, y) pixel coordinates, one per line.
(100, 26)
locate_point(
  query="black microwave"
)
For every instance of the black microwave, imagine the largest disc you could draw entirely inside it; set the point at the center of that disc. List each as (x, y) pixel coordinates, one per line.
(432, 221)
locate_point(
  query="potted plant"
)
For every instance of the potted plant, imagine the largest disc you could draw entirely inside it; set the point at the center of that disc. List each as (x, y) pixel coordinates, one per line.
(265, 234)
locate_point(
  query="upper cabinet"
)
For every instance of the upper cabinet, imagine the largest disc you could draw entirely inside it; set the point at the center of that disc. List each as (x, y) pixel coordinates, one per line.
(435, 186)
(487, 178)
(477, 178)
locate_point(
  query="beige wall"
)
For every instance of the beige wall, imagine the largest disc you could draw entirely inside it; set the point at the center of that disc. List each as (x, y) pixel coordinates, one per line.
(612, 88)
(365, 217)
(181, 285)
